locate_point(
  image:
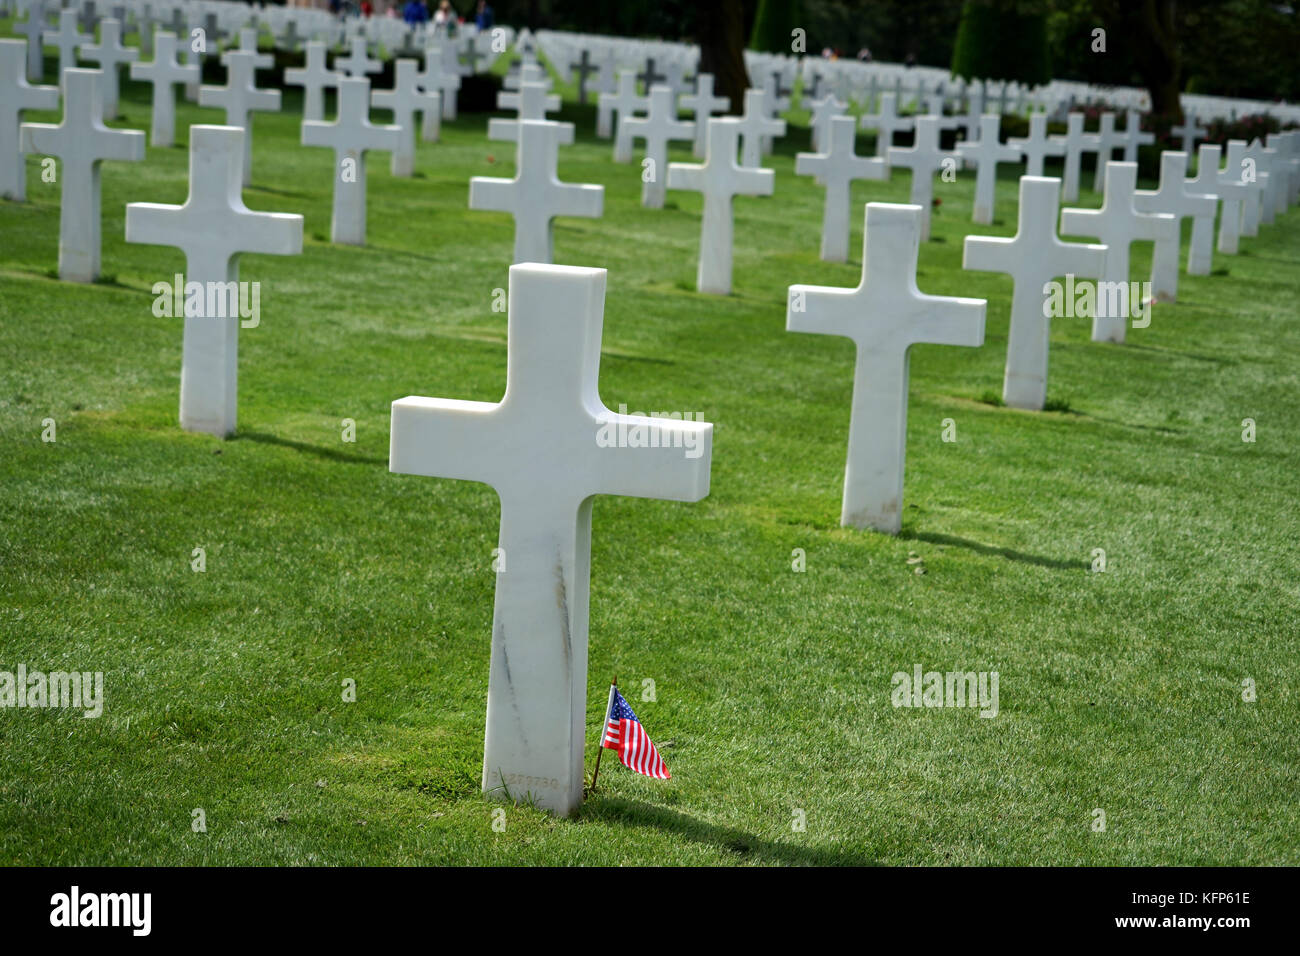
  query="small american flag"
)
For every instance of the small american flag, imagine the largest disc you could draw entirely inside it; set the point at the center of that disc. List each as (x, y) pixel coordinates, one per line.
(624, 733)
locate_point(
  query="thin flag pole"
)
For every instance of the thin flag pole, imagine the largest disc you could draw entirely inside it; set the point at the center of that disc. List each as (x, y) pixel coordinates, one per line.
(600, 748)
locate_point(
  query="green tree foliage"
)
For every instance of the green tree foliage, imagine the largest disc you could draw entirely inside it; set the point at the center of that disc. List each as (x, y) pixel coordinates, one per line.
(1226, 47)
(897, 31)
(774, 23)
(1241, 48)
(1002, 41)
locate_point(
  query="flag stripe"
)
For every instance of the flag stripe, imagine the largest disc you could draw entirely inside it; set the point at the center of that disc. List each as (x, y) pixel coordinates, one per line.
(624, 733)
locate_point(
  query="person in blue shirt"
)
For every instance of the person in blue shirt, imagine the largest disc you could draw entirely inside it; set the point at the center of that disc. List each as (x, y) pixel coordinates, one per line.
(485, 17)
(415, 12)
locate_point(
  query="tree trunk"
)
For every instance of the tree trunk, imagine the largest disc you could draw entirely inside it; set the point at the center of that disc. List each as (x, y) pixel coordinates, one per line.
(1162, 67)
(721, 35)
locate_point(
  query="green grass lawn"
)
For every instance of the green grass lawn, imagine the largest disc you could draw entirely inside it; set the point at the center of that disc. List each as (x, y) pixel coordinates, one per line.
(1119, 691)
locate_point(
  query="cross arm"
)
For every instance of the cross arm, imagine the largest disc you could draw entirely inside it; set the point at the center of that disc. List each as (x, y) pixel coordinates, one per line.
(492, 194)
(756, 182)
(824, 310)
(946, 320)
(689, 176)
(40, 138)
(672, 462)
(215, 97)
(445, 438)
(586, 200)
(122, 144)
(809, 164)
(319, 133)
(33, 97)
(1087, 260)
(152, 223)
(1082, 222)
(988, 254)
(270, 233)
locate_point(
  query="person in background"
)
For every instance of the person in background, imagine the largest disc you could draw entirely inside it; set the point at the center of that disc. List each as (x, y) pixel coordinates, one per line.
(367, 8)
(484, 17)
(444, 18)
(415, 12)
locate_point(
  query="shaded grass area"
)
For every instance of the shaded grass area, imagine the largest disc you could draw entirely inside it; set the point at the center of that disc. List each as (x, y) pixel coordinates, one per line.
(1119, 691)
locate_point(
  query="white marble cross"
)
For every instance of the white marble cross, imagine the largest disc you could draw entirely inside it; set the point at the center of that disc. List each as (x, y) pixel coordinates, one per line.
(625, 102)
(606, 82)
(1261, 211)
(924, 158)
(836, 168)
(675, 76)
(351, 135)
(440, 76)
(212, 228)
(109, 54)
(530, 102)
(755, 125)
(88, 16)
(884, 316)
(289, 38)
(1200, 252)
(239, 98)
(934, 108)
(974, 112)
(703, 104)
(1075, 142)
(1134, 137)
(1288, 143)
(33, 28)
(314, 77)
(547, 448)
(1286, 164)
(17, 95)
(1118, 224)
(657, 127)
(1107, 141)
(776, 100)
(1189, 131)
(822, 111)
(1241, 205)
(67, 38)
(719, 179)
(1033, 258)
(357, 64)
(81, 141)
(536, 195)
(188, 30)
(450, 62)
(584, 67)
(1173, 197)
(521, 73)
(164, 72)
(1275, 176)
(404, 99)
(248, 43)
(1037, 146)
(986, 153)
(146, 24)
(886, 123)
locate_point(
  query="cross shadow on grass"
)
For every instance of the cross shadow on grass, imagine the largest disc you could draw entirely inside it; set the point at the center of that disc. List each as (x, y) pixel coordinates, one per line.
(265, 438)
(931, 537)
(272, 191)
(742, 846)
(1223, 360)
